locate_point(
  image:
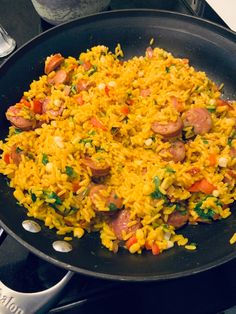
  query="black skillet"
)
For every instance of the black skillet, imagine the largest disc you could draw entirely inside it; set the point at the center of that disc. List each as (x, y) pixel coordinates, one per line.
(210, 48)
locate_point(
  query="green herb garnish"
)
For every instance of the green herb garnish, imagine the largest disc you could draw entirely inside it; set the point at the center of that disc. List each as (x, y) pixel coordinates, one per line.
(17, 131)
(205, 215)
(157, 194)
(92, 70)
(44, 159)
(73, 89)
(112, 207)
(54, 196)
(170, 170)
(86, 140)
(18, 150)
(70, 172)
(33, 197)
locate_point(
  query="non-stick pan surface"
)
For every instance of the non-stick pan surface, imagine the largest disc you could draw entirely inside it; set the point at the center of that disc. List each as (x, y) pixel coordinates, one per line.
(210, 48)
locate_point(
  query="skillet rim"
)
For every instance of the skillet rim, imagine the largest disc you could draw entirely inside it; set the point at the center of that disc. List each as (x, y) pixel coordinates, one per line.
(147, 278)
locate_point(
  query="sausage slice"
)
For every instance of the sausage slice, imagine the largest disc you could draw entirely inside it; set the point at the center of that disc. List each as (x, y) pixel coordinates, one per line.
(113, 202)
(84, 85)
(13, 115)
(120, 222)
(199, 119)
(97, 169)
(178, 219)
(170, 129)
(177, 151)
(60, 77)
(52, 62)
(51, 112)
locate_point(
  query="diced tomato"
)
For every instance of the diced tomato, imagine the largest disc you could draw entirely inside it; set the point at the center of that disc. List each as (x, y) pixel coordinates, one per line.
(202, 186)
(131, 241)
(206, 187)
(149, 52)
(224, 103)
(185, 60)
(107, 90)
(155, 249)
(97, 124)
(79, 100)
(194, 187)
(37, 106)
(124, 110)
(75, 186)
(193, 171)
(148, 245)
(130, 101)
(212, 159)
(178, 105)
(6, 158)
(87, 65)
(25, 102)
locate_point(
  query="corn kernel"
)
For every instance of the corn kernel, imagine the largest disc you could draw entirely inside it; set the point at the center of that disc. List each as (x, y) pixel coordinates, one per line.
(78, 232)
(134, 248)
(190, 247)
(233, 239)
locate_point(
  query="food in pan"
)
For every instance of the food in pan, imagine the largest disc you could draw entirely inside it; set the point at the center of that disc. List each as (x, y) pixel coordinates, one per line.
(133, 149)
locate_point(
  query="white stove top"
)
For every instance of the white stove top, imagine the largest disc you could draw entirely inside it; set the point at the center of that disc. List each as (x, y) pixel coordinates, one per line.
(226, 9)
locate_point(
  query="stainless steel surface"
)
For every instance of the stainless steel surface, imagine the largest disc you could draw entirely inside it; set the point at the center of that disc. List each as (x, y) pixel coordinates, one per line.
(31, 303)
(7, 43)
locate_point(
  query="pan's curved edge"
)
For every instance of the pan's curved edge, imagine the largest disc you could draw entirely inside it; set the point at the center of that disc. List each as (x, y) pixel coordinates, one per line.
(125, 278)
(221, 29)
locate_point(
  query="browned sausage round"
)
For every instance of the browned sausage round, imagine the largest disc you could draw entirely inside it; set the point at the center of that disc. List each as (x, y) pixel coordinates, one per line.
(178, 219)
(60, 77)
(52, 62)
(98, 170)
(16, 155)
(232, 152)
(13, 115)
(145, 92)
(199, 119)
(113, 202)
(53, 113)
(170, 129)
(120, 222)
(84, 85)
(149, 52)
(177, 151)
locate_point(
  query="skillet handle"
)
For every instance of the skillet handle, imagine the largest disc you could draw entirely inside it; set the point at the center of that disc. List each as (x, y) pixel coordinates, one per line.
(31, 303)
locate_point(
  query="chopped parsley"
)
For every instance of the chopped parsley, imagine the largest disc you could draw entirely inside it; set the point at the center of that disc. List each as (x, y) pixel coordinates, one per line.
(231, 138)
(112, 207)
(86, 140)
(73, 89)
(54, 196)
(17, 131)
(70, 172)
(44, 159)
(33, 197)
(92, 70)
(18, 150)
(201, 213)
(70, 211)
(157, 194)
(170, 170)
(211, 109)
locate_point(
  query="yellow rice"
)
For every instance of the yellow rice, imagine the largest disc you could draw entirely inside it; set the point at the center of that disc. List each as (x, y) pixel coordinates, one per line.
(127, 144)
